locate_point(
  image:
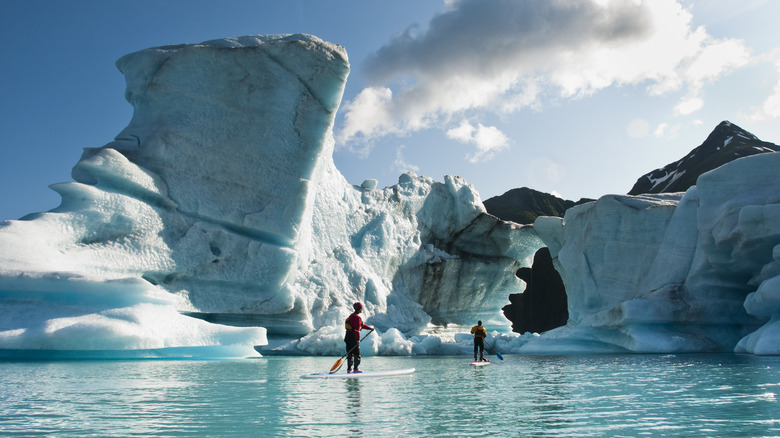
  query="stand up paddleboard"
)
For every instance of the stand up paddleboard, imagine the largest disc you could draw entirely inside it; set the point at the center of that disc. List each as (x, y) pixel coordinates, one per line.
(357, 375)
(480, 363)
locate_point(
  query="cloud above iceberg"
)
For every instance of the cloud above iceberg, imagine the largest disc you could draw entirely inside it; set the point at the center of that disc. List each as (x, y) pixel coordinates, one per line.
(770, 108)
(488, 140)
(500, 56)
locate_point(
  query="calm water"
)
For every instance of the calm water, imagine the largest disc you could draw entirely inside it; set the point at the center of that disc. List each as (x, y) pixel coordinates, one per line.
(587, 395)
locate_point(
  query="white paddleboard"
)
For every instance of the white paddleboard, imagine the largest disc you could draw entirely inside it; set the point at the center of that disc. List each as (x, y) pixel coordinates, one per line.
(480, 363)
(358, 375)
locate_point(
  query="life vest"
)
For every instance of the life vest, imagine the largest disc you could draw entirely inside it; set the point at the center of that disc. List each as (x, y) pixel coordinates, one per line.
(479, 331)
(353, 322)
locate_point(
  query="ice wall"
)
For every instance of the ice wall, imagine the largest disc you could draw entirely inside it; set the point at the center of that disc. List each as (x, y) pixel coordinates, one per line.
(217, 216)
(693, 272)
(418, 252)
(205, 191)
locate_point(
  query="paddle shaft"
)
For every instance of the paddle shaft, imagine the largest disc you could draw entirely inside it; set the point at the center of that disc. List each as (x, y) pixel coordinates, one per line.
(494, 351)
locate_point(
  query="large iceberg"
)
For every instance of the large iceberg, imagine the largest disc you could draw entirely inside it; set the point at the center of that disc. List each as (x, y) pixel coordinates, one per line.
(687, 272)
(216, 220)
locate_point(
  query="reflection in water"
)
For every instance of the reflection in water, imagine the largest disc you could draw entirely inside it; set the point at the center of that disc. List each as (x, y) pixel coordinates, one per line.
(353, 404)
(480, 379)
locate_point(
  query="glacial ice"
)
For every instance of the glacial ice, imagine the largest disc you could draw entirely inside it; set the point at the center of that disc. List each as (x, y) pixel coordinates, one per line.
(692, 272)
(216, 219)
(217, 222)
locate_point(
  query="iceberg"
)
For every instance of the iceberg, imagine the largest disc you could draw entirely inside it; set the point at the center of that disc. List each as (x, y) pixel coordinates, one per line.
(216, 223)
(685, 272)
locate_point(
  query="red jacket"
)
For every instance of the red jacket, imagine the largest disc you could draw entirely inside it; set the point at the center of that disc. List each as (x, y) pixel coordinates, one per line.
(355, 323)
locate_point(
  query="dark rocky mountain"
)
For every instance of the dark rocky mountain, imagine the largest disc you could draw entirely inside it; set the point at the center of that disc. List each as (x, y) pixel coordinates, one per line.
(726, 143)
(523, 205)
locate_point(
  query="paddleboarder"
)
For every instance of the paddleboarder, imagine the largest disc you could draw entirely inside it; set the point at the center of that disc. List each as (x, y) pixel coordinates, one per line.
(480, 334)
(353, 325)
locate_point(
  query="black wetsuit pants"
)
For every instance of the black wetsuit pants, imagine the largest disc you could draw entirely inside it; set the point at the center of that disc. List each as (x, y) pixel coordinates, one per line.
(479, 344)
(353, 351)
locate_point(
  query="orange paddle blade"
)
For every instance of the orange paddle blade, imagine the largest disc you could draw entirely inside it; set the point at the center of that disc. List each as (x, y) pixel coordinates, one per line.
(335, 366)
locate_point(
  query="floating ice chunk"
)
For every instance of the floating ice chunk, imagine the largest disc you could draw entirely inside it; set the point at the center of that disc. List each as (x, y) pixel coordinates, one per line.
(106, 318)
(395, 344)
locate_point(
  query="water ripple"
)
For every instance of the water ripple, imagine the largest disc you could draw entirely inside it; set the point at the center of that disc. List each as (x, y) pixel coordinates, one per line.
(544, 396)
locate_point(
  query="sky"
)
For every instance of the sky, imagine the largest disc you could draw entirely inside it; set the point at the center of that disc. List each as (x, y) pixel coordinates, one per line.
(578, 98)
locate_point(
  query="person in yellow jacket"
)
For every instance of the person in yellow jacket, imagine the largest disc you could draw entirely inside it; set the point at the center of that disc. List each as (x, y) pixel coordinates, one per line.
(480, 334)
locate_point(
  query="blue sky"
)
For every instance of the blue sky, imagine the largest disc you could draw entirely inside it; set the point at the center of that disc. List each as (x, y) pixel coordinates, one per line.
(505, 93)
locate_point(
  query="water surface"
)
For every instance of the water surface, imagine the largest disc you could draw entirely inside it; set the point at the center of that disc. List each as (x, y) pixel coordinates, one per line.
(580, 395)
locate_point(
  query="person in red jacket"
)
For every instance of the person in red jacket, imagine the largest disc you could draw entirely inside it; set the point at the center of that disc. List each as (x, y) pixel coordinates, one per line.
(354, 324)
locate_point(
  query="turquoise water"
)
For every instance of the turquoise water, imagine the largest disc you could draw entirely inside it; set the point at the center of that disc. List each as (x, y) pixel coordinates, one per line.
(585, 395)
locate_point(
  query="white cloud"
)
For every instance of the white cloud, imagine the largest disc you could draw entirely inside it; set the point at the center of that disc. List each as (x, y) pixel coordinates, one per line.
(543, 172)
(488, 140)
(463, 133)
(770, 108)
(666, 131)
(661, 130)
(400, 163)
(688, 105)
(506, 55)
(716, 58)
(367, 115)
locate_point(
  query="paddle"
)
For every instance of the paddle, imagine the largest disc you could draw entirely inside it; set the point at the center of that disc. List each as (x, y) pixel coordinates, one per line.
(498, 355)
(339, 362)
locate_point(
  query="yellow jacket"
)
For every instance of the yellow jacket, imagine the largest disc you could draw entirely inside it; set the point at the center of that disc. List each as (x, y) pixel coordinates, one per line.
(479, 332)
